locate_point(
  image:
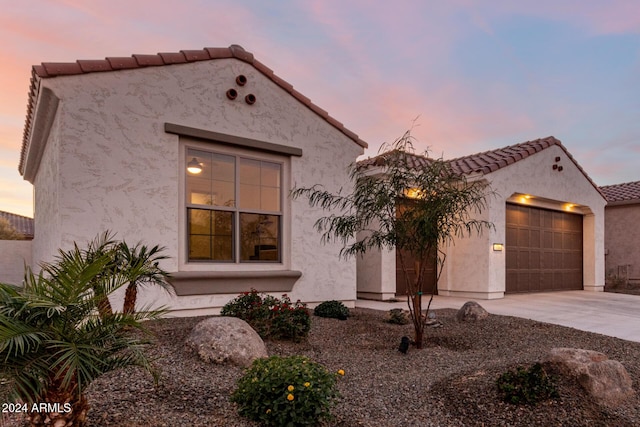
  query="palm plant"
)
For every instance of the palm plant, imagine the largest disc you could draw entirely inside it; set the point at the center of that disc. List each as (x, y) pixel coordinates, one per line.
(54, 342)
(141, 266)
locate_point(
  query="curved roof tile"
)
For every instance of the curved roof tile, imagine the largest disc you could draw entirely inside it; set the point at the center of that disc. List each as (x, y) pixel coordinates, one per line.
(625, 192)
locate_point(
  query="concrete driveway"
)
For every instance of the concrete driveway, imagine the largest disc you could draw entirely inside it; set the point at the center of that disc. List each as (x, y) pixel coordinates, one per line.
(616, 315)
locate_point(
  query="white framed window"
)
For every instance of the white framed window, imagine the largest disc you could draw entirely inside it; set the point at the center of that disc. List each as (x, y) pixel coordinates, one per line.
(234, 207)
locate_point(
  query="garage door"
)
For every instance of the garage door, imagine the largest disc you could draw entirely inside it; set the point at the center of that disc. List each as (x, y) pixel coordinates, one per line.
(543, 250)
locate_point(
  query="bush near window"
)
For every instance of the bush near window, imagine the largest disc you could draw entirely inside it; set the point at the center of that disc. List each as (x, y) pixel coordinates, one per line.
(333, 309)
(271, 317)
(286, 391)
(527, 386)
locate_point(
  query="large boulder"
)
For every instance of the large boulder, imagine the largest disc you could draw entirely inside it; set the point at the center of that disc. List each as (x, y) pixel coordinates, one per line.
(226, 340)
(607, 381)
(471, 310)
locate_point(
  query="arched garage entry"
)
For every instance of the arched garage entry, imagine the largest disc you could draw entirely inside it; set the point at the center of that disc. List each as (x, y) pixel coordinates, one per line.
(543, 250)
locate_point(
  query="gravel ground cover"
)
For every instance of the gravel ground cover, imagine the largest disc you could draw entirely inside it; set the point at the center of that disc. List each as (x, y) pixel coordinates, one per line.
(451, 382)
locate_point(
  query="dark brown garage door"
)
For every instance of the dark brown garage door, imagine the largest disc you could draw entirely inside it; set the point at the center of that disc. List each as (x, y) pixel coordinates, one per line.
(544, 250)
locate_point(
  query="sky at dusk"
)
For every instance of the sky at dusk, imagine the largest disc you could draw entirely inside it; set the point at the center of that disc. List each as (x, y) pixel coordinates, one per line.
(474, 75)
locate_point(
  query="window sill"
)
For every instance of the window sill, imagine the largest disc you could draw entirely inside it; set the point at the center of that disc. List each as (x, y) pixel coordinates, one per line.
(232, 282)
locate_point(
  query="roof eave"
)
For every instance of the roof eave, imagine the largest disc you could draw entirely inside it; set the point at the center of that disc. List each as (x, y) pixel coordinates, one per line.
(37, 133)
(623, 202)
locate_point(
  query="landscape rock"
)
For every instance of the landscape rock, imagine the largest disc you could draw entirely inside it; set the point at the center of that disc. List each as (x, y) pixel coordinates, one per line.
(471, 310)
(226, 340)
(604, 379)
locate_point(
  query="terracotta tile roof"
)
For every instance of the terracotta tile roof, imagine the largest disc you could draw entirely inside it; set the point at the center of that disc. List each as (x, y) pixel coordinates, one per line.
(490, 161)
(414, 161)
(22, 224)
(626, 192)
(54, 69)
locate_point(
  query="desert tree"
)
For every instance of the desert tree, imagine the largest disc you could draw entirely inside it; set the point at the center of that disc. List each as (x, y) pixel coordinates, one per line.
(407, 202)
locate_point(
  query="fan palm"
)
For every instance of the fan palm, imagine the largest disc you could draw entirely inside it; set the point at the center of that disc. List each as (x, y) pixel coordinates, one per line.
(54, 342)
(141, 266)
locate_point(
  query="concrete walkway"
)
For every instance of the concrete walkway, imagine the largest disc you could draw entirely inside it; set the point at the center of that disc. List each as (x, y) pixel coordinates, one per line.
(616, 315)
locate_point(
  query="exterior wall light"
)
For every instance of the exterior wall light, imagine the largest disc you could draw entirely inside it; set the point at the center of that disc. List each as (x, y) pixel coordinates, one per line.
(498, 247)
(413, 193)
(194, 166)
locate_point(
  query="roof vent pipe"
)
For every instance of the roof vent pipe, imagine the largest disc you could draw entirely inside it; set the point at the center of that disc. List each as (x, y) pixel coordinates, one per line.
(232, 94)
(241, 80)
(250, 99)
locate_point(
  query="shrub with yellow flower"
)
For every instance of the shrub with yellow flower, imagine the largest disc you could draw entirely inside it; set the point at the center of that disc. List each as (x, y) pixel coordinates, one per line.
(283, 395)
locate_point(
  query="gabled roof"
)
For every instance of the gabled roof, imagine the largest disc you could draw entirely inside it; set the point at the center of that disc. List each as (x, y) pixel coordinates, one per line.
(490, 161)
(625, 193)
(48, 70)
(22, 224)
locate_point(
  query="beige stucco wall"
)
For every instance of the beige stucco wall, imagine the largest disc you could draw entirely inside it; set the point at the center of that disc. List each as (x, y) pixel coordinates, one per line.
(109, 165)
(622, 240)
(14, 255)
(472, 269)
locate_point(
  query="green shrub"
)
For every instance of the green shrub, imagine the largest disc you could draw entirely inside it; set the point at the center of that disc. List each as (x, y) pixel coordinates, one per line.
(283, 391)
(269, 316)
(397, 316)
(333, 309)
(527, 386)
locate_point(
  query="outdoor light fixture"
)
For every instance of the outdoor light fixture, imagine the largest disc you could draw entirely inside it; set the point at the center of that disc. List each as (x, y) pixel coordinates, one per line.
(497, 247)
(413, 193)
(194, 166)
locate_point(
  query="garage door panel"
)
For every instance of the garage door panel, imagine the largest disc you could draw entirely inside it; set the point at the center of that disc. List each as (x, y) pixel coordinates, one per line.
(543, 250)
(523, 237)
(534, 260)
(535, 239)
(557, 239)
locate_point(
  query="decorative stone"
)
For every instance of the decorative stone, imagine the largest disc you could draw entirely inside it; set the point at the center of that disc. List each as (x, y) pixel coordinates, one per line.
(471, 310)
(226, 340)
(605, 380)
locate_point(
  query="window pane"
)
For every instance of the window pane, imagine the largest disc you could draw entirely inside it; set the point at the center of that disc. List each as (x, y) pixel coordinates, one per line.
(249, 171)
(210, 235)
(223, 168)
(270, 174)
(199, 191)
(259, 237)
(270, 199)
(249, 196)
(259, 185)
(204, 159)
(223, 194)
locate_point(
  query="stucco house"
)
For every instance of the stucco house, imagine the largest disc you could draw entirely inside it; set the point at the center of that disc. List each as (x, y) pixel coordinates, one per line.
(549, 229)
(196, 151)
(622, 232)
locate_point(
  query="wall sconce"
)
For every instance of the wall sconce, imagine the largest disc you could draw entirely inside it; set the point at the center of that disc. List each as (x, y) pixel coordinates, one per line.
(194, 166)
(413, 193)
(497, 247)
